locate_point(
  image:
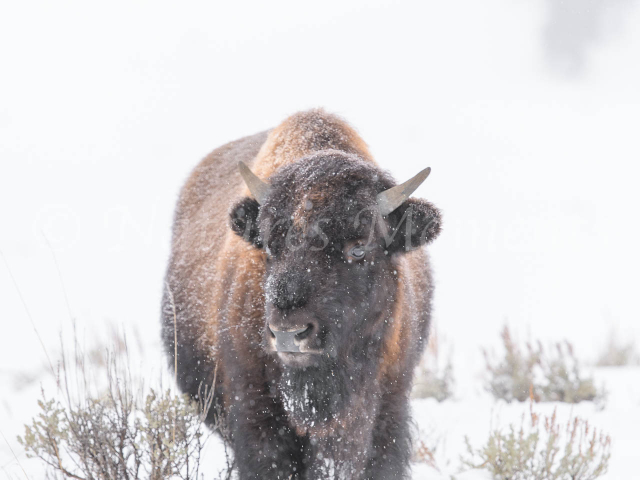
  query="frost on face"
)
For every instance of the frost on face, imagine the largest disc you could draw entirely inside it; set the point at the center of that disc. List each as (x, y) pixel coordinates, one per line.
(296, 403)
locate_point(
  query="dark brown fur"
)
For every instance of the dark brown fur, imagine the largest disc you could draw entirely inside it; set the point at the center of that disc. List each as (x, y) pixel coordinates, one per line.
(359, 421)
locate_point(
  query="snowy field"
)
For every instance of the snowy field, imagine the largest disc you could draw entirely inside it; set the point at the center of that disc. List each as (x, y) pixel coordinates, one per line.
(527, 112)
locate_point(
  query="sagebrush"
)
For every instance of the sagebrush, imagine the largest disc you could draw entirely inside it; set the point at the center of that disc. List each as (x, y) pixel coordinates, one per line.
(618, 353)
(543, 448)
(434, 378)
(552, 374)
(116, 431)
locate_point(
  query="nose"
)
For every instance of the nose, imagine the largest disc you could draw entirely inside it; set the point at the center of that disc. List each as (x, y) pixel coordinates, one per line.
(292, 291)
(289, 340)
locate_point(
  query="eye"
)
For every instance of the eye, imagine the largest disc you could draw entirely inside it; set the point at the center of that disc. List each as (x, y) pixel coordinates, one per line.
(356, 253)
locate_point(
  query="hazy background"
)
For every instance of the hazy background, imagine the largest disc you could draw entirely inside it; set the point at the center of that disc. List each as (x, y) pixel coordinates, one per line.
(526, 110)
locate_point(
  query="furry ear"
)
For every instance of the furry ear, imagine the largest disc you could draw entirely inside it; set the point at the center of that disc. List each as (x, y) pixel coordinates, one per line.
(413, 224)
(244, 220)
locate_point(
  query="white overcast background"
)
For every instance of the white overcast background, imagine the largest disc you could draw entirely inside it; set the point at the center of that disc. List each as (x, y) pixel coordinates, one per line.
(526, 111)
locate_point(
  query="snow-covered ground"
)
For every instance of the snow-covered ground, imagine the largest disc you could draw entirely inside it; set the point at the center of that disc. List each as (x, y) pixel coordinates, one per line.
(527, 112)
(446, 424)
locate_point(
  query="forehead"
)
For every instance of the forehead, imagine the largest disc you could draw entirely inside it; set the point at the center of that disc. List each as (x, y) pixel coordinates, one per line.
(331, 189)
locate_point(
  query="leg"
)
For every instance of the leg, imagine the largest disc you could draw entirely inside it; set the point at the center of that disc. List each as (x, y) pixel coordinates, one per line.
(265, 447)
(391, 453)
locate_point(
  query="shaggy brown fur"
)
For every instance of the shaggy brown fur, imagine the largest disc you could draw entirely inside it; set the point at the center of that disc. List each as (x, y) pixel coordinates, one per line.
(352, 419)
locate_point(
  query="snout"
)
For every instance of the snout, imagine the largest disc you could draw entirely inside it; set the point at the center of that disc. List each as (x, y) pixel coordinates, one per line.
(291, 290)
(297, 339)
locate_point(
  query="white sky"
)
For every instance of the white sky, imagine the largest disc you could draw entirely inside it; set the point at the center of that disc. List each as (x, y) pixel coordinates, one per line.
(104, 110)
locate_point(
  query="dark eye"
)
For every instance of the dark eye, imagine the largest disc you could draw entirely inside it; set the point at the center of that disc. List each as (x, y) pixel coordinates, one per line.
(357, 253)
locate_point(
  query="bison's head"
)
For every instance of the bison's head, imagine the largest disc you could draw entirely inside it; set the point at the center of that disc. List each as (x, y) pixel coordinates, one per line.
(332, 226)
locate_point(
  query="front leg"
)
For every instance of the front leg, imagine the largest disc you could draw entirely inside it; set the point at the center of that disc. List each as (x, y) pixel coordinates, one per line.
(391, 452)
(265, 447)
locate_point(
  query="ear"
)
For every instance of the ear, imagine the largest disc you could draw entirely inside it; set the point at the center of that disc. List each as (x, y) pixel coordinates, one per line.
(414, 223)
(244, 220)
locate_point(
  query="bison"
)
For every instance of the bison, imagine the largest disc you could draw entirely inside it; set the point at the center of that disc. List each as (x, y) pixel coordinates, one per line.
(298, 285)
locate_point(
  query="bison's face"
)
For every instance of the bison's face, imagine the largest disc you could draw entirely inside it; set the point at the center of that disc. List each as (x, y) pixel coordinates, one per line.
(321, 302)
(330, 275)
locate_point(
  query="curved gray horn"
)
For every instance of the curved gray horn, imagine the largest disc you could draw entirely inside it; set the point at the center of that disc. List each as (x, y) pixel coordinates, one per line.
(257, 187)
(392, 198)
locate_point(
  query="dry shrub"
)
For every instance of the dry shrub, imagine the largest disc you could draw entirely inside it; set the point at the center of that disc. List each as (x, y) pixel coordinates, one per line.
(433, 378)
(544, 449)
(553, 374)
(617, 353)
(423, 453)
(425, 443)
(93, 432)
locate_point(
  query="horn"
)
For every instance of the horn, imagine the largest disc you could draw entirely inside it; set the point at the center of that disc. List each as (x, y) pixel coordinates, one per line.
(257, 187)
(392, 198)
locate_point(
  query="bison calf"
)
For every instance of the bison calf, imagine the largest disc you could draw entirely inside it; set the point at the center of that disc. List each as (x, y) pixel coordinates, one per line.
(299, 283)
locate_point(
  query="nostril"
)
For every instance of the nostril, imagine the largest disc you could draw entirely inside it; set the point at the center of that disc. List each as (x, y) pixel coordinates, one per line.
(273, 335)
(304, 333)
